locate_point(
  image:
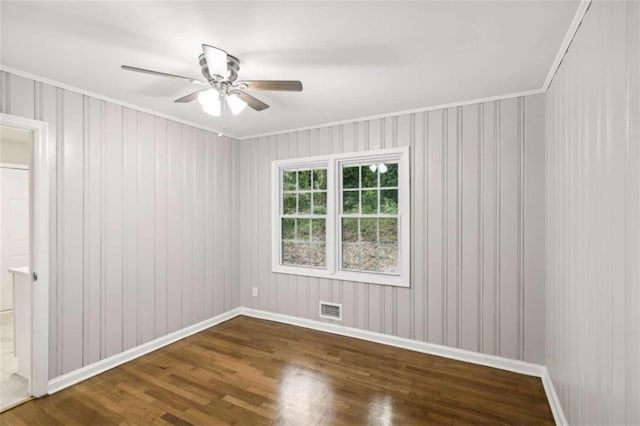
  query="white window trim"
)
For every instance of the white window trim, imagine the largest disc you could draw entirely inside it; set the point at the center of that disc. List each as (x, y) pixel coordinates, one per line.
(332, 163)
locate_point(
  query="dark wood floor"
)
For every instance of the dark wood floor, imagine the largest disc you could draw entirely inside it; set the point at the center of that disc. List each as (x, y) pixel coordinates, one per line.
(249, 371)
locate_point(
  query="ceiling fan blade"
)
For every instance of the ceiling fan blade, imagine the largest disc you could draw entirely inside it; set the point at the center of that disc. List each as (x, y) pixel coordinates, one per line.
(254, 103)
(159, 73)
(216, 61)
(284, 85)
(191, 96)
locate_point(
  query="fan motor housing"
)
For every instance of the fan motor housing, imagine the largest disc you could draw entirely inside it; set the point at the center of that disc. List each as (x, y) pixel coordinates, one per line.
(233, 66)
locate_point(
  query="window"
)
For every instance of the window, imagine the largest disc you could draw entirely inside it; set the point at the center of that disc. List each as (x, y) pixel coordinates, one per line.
(343, 216)
(369, 217)
(304, 217)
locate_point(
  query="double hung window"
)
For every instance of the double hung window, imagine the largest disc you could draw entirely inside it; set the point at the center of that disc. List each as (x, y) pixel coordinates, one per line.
(343, 216)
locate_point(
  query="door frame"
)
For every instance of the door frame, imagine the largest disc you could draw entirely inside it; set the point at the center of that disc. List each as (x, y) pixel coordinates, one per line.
(39, 235)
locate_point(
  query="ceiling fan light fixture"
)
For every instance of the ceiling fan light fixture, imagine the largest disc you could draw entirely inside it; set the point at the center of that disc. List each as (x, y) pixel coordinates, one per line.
(236, 105)
(210, 101)
(220, 71)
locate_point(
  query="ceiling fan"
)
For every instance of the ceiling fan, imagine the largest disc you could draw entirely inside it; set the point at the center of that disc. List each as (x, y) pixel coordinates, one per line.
(220, 70)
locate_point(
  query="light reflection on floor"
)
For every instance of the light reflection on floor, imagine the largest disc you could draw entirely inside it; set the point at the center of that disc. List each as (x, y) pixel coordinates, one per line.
(381, 411)
(305, 398)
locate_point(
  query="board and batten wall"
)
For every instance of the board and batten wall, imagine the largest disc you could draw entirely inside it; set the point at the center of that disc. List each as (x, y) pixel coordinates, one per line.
(593, 219)
(140, 222)
(477, 196)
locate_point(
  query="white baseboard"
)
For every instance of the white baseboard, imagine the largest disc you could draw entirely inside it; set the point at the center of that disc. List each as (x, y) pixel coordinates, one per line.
(552, 397)
(75, 376)
(428, 348)
(502, 363)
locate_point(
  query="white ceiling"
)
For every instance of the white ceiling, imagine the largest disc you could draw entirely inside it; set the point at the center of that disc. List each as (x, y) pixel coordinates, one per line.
(355, 59)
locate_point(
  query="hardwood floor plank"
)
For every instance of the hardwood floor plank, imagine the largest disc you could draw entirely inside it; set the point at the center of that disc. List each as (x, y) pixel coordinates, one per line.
(171, 419)
(251, 371)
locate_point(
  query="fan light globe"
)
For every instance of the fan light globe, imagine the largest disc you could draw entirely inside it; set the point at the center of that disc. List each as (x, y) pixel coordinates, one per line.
(210, 101)
(236, 105)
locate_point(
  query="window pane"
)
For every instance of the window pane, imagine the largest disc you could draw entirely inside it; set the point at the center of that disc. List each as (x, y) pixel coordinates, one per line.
(289, 204)
(320, 179)
(351, 256)
(318, 229)
(390, 177)
(317, 255)
(295, 253)
(369, 176)
(288, 253)
(370, 202)
(376, 249)
(350, 177)
(388, 230)
(388, 258)
(303, 229)
(303, 254)
(320, 202)
(350, 230)
(369, 257)
(350, 201)
(288, 229)
(304, 179)
(369, 230)
(389, 201)
(289, 179)
(304, 203)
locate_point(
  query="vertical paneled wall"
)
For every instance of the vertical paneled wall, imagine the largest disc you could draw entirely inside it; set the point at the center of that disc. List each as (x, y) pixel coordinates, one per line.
(593, 214)
(140, 220)
(477, 228)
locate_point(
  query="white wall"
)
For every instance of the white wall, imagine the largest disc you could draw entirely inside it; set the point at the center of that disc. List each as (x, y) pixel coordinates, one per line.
(478, 228)
(593, 214)
(140, 219)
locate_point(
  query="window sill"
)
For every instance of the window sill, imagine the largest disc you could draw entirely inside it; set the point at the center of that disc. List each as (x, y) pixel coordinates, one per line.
(361, 277)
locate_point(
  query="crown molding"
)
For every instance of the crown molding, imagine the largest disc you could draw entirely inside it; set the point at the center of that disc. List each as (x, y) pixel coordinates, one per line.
(566, 43)
(555, 65)
(582, 9)
(398, 113)
(80, 91)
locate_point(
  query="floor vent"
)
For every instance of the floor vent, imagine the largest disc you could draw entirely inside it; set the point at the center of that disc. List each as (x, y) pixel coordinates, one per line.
(331, 311)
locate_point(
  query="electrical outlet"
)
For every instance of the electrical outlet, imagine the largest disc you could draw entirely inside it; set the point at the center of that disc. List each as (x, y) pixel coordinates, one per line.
(254, 291)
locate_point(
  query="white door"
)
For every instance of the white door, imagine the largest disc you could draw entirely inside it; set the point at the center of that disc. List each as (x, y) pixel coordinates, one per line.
(14, 228)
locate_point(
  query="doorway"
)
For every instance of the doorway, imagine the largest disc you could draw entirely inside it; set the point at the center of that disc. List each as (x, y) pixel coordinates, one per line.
(24, 257)
(15, 295)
